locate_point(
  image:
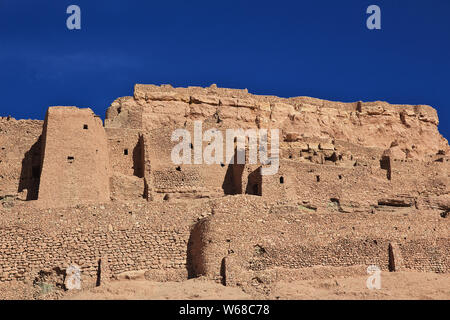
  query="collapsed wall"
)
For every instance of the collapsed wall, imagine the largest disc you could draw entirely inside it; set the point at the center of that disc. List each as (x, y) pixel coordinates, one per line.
(20, 158)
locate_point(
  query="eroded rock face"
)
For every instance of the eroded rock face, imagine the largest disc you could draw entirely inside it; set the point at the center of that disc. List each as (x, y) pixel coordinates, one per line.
(369, 124)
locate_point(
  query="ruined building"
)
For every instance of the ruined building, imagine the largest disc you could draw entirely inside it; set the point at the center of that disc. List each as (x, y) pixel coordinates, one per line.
(358, 184)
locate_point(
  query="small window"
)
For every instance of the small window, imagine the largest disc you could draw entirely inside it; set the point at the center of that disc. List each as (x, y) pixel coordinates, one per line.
(335, 201)
(70, 159)
(281, 180)
(85, 126)
(125, 152)
(318, 178)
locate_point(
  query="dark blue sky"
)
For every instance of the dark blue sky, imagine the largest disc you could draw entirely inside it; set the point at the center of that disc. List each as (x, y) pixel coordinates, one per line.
(286, 48)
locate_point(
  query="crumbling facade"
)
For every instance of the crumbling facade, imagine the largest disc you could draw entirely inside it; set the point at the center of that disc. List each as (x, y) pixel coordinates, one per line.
(358, 183)
(75, 161)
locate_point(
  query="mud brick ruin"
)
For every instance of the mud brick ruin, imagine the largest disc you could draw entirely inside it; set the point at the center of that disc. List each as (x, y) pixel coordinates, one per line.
(359, 184)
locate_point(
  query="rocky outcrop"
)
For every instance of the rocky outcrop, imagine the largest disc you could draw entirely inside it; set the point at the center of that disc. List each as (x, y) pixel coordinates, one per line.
(412, 129)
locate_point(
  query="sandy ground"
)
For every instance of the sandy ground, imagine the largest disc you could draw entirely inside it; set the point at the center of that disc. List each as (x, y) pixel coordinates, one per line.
(144, 290)
(395, 285)
(399, 285)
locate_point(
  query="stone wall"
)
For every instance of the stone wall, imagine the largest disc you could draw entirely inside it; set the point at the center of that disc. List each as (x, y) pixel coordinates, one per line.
(422, 255)
(24, 253)
(126, 149)
(191, 238)
(259, 237)
(133, 236)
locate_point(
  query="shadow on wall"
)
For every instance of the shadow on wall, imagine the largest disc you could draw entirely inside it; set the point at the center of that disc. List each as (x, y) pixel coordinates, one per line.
(232, 184)
(254, 184)
(227, 185)
(138, 158)
(31, 171)
(195, 261)
(385, 164)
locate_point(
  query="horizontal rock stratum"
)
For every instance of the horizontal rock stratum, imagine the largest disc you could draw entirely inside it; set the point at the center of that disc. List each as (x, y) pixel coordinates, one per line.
(358, 184)
(370, 124)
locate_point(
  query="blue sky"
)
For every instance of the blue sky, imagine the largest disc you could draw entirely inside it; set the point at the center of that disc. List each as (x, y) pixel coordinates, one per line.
(286, 48)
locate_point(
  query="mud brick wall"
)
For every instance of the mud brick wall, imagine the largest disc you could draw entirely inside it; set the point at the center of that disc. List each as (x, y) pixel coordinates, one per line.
(20, 156)
(319, 183)
(125, 151)
(75, 165)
